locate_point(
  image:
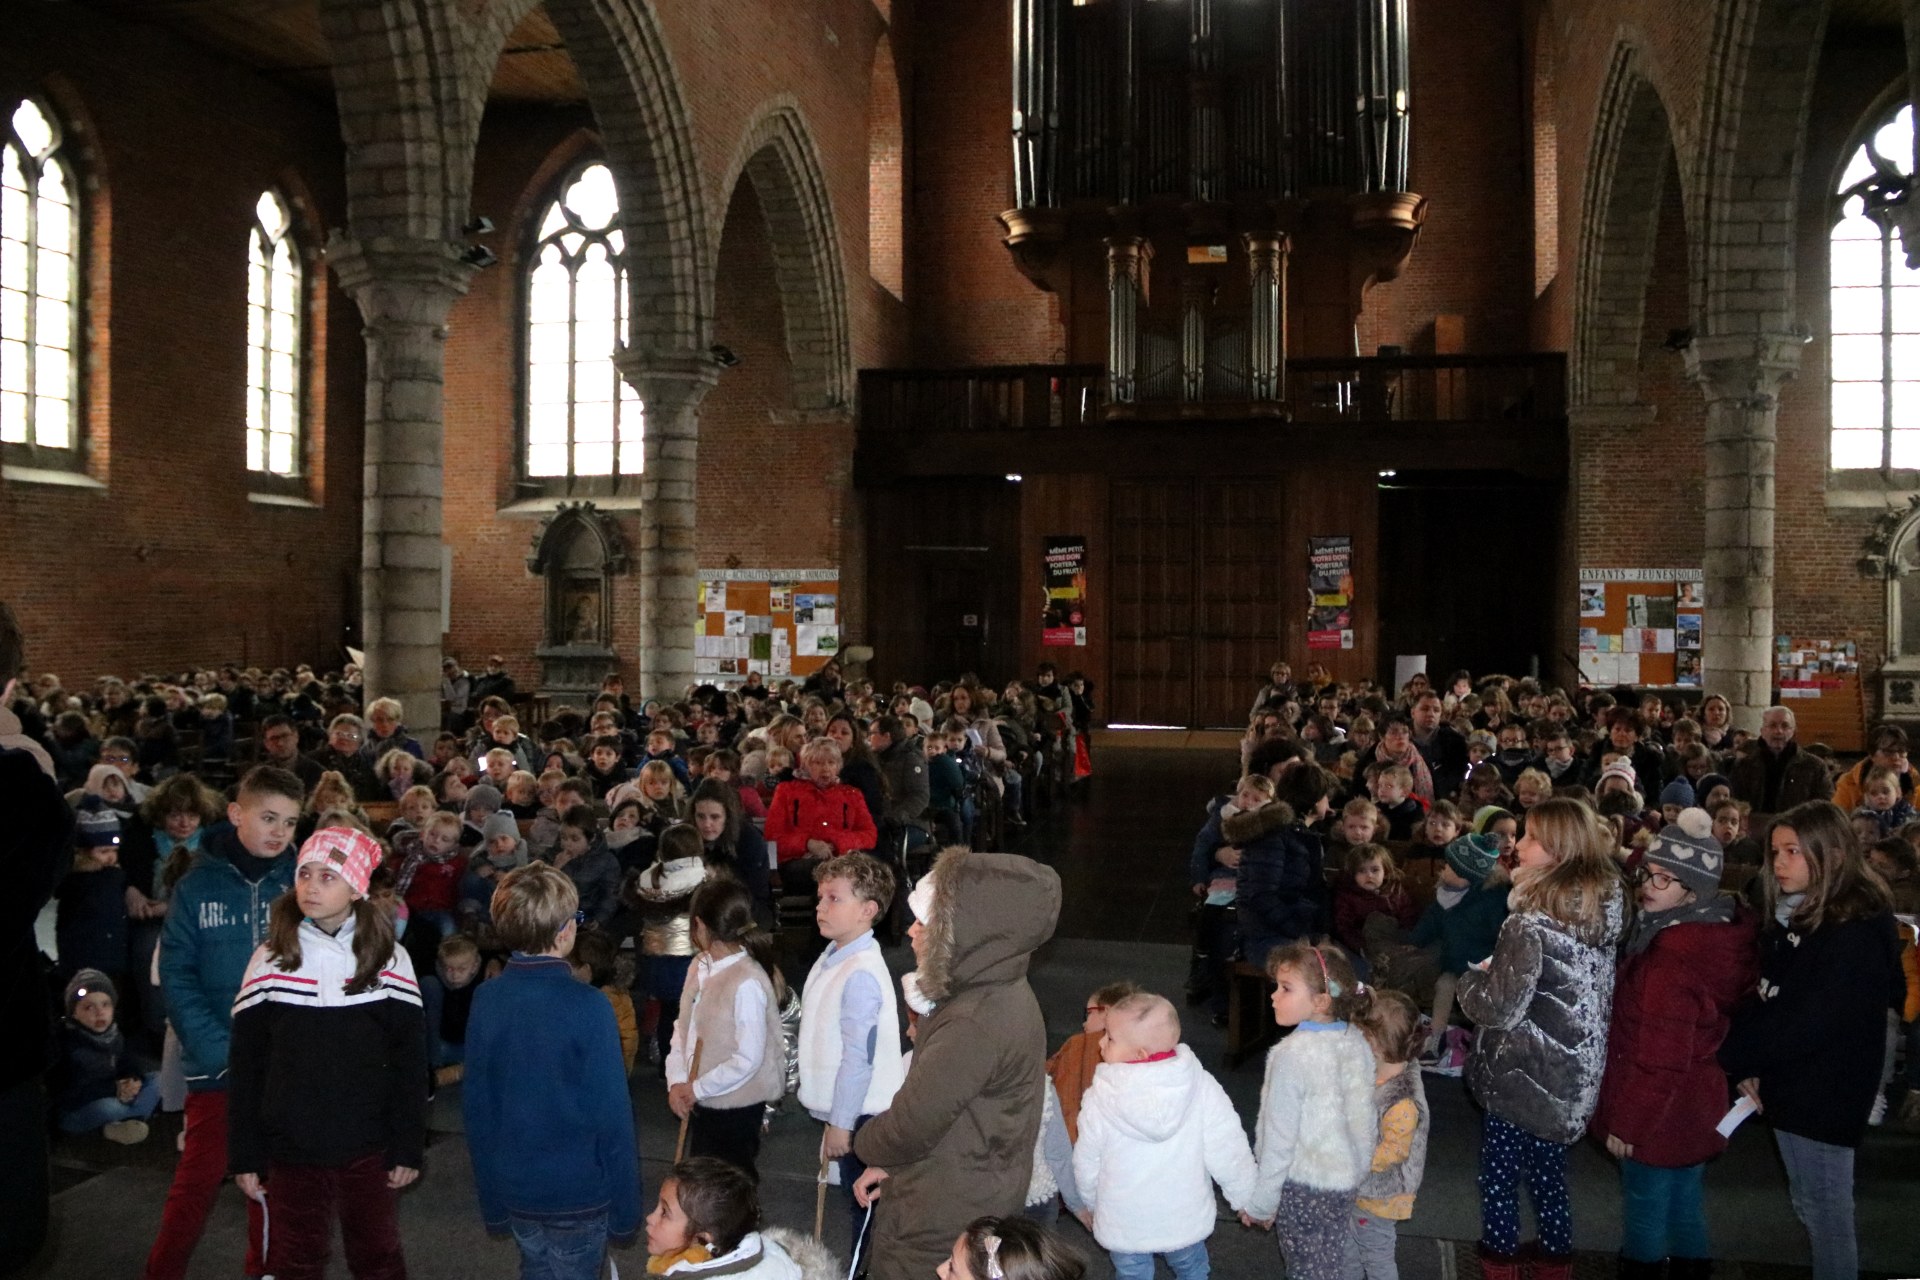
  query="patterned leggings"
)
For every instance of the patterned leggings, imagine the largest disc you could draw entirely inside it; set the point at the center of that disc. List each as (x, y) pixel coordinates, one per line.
(1313, 1228)
(1508, 1156)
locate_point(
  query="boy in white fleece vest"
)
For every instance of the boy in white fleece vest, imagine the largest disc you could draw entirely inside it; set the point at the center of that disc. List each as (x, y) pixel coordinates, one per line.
(1156, 1132)
(850, 1061)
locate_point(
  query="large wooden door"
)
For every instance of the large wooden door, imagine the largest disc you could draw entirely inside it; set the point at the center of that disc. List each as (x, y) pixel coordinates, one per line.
(1196, 606)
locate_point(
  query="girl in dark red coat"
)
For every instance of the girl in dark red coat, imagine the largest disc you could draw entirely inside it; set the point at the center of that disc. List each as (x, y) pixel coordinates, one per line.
(1690, 956)
(1370, 885)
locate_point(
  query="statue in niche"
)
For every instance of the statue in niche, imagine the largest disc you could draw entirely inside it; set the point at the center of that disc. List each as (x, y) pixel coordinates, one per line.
(576, 553)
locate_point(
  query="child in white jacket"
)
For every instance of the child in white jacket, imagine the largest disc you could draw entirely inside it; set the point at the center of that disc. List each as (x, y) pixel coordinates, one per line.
(1156, 1132)
(1317, 1124)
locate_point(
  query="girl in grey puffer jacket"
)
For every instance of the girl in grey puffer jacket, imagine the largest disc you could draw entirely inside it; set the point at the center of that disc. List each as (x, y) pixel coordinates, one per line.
(1542, 1002)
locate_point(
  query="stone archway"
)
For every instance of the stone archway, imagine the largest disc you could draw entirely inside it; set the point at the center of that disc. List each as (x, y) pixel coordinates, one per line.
(778, 155)
(1628, 159)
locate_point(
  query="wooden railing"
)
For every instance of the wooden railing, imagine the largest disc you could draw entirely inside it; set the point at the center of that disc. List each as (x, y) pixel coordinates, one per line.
(1363, 389)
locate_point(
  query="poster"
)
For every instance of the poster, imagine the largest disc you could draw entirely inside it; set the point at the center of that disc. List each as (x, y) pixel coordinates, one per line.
(1330, 592)
(1693, 595)
(1589, 640)
(1063, 621)
(1687, 631)
(1593, 599)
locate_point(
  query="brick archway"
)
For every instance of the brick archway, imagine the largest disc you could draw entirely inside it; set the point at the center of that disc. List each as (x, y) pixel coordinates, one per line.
(1628, 160)
(777, 154)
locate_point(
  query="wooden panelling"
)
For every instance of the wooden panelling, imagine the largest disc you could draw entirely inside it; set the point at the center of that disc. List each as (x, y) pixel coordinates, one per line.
(1154, 539)
(943, 580)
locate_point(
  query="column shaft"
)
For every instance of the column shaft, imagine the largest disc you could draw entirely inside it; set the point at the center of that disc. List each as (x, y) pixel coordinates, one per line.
(404, 289)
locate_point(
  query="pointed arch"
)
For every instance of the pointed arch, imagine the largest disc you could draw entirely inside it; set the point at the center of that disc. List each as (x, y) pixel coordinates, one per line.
(1628, 159)
(777, 153)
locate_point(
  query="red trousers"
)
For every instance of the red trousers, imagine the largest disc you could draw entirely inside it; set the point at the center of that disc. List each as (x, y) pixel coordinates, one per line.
(304, 1199)
(196, 1184)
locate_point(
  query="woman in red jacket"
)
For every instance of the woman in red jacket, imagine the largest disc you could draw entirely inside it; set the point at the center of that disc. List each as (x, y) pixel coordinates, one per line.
(816, 816)
(1690, 956)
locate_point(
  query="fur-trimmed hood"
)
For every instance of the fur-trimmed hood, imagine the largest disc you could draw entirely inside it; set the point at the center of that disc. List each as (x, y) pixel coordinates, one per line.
(1251, 825)
(991, 911)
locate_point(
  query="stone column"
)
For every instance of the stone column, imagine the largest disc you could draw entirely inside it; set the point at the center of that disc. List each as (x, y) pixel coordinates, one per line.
(1267, 325)
(671, 389)
(1740, 376)
(1128, 257)
(405, 288)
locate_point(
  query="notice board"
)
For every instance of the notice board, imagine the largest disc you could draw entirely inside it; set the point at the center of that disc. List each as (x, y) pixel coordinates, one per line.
(1641, 626)
(778, 622)
(1820, 679)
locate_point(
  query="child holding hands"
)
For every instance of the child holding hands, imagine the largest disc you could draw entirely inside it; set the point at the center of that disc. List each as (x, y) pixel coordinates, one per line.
(1317, 1128)
(1542, 1002)
(1385, 1199)
(1156, 1132)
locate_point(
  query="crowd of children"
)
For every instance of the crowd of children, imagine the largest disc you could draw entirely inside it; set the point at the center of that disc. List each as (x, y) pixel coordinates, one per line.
(1573, 903)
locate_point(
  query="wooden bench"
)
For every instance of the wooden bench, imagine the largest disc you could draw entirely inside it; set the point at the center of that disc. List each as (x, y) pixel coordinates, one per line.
(380, 814)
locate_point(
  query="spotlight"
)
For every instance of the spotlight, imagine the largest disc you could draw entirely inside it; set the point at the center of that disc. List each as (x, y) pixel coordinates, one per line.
(723, 356)
(1013, 477)
(479, 256)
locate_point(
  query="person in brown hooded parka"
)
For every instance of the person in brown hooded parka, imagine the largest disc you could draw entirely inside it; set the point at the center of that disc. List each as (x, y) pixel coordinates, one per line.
(957, 1142)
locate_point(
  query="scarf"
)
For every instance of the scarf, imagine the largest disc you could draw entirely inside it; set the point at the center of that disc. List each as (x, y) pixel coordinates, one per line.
(1783, 909)
(1415, 764)
(1715, 910)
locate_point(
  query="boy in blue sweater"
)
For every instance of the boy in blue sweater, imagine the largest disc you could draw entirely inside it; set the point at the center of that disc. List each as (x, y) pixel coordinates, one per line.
(219, 914)
(549, 1123)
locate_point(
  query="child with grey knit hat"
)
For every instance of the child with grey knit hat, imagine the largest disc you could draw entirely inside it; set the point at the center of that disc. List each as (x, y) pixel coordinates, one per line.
(102, 1085)
(1689, 955)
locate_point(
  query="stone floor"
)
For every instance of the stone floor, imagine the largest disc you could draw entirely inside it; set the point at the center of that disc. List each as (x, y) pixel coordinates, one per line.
(1120, 849)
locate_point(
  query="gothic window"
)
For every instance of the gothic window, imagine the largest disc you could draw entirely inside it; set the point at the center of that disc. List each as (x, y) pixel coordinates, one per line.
(274, 365)
(39, 292)
(1875, 309)
(582, 421)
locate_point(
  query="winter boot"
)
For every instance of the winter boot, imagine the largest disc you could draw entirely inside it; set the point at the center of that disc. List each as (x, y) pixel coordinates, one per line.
(1499, 1266)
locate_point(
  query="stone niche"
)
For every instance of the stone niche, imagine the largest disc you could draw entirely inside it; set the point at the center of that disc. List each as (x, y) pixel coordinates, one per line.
(577, 551)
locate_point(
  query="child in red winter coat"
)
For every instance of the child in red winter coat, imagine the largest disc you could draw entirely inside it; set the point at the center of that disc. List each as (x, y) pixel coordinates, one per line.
(1370, 885)
(1691, 954)
(430, 878)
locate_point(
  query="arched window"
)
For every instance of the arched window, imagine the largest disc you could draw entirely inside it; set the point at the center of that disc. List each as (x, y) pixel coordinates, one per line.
(1875, 309)
(274, 297)
(39, 291)
(886, 234)
(582, 419)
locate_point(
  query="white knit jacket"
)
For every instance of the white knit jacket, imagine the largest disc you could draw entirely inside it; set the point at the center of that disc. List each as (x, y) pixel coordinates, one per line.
(1317, 1125)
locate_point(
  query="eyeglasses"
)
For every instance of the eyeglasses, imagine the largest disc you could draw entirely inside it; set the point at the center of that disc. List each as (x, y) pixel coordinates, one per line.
(1660, 880)
(1095, 1008)
(118, 758)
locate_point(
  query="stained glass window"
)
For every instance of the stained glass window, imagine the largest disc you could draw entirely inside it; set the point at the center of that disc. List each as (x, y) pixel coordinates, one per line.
(582, 419)
(273, 341)
(39, 285)
(1874, 306)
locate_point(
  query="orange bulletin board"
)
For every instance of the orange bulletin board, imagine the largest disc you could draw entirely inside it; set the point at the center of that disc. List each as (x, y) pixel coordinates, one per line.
(1641, 626)
(1820, 680)
(777, 622)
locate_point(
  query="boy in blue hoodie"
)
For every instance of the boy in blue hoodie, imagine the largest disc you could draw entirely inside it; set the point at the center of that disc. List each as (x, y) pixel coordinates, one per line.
(549, 1123)
(217, 917)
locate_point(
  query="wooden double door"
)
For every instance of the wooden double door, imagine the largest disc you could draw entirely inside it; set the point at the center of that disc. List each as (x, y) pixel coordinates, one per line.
(1198, 614)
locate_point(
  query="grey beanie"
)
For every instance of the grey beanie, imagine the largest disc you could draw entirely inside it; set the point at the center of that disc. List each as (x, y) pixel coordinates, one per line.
(500, 824)
(1686, 850)
(87, 982)
(484, 796)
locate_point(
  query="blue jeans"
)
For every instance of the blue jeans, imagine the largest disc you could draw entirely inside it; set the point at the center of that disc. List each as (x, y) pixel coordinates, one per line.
(1661, 1213)
(104, 1111)
(1189, 1263)
(573, 1249)
(1820, 1180)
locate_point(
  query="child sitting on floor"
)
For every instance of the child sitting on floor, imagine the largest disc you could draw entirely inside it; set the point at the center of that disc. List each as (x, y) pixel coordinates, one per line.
(102, 1085)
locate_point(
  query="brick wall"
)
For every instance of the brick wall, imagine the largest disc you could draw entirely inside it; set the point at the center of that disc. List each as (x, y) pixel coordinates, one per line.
(171, 565)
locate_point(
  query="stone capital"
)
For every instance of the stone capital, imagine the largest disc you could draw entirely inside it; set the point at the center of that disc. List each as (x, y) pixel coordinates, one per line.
(1746, 369)
(1266, 251)
(671, 386)
(1128, 257)
(399, 280)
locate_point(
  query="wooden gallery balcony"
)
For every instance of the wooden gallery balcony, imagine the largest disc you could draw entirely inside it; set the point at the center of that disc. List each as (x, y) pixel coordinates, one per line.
(1407, 413)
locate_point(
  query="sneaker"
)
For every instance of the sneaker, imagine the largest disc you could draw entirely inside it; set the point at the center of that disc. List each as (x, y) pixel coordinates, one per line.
(1878, 1115)
(125, 1132)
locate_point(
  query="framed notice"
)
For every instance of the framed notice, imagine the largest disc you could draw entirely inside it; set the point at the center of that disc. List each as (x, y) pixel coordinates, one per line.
(1640, 627)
